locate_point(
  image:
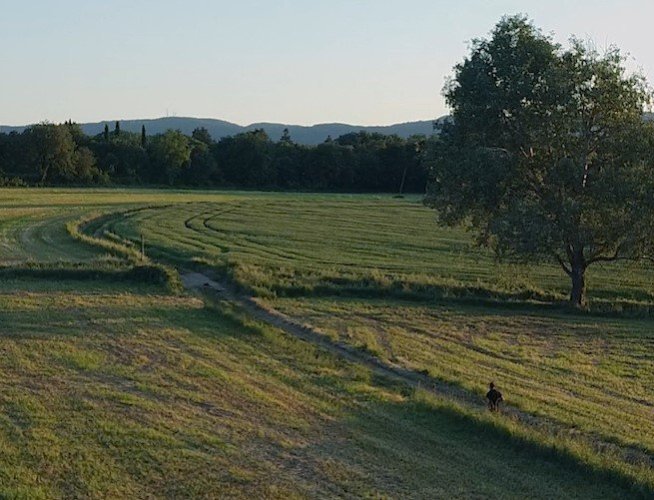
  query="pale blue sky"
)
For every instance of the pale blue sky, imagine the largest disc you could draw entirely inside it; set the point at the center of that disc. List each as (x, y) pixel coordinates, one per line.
(292, 61)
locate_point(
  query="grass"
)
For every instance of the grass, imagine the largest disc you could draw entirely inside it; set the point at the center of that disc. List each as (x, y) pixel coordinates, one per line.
(33, 222)
(118, 386)
(585, 373)
(592, 374)
(323, 245)
(122, 391)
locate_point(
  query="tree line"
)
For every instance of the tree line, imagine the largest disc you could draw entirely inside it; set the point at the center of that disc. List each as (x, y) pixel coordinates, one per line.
(61, 154)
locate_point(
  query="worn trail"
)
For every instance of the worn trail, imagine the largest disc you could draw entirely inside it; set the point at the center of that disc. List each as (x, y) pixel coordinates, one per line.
(266, 314)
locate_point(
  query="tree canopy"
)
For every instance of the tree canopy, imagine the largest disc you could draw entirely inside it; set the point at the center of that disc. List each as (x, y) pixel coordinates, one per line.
(546, 154)
(49, 154)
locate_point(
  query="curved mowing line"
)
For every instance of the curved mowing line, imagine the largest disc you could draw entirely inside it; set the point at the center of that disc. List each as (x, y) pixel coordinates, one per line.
(207, 215)
(250, 245)
(48, 241)
(300, 220)
(150, 223)
(530, 420)
(197, 244)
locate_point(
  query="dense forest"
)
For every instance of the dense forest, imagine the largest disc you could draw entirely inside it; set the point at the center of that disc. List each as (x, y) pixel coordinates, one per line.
(49, 154)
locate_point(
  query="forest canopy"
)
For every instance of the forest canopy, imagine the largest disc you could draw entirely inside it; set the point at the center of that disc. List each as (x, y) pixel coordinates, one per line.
(61, 154)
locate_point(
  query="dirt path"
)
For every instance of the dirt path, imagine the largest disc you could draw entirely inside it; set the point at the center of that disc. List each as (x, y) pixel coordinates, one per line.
(266, 314)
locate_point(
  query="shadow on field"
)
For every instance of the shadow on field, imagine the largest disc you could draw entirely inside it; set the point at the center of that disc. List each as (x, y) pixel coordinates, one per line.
(214, 321)
(601, 303)
(168, 397)
(110, 271)
(372, 288)
(417, 449)
(408, 443)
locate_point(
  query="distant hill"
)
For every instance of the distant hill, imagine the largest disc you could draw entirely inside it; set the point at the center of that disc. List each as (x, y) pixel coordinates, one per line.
(313, 134)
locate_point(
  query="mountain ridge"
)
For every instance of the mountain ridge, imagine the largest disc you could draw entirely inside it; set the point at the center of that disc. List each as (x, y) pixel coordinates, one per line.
(302, 134)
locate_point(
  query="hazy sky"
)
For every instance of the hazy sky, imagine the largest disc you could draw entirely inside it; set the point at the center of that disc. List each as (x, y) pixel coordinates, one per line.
(293, 61)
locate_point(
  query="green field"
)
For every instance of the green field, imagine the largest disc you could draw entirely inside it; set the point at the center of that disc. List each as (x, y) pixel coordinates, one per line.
(308, 244)
(122, 388)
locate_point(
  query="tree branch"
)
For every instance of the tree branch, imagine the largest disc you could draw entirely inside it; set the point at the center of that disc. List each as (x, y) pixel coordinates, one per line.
(567, 270)
(602, 258)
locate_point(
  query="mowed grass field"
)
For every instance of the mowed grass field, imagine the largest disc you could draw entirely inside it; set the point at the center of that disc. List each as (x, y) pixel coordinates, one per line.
(593, 374)
(126, 389)
(127, 392)
(308, 244)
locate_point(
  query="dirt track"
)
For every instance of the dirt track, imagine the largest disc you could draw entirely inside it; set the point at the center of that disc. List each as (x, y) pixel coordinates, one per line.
(270, 316)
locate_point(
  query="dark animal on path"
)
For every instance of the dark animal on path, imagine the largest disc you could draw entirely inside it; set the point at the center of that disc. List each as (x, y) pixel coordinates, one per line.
(494, 398)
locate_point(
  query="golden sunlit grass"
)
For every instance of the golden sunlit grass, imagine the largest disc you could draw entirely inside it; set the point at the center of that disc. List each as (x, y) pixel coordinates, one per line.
(113, 391)
(276, 244)
(120, 388)
(594, 374)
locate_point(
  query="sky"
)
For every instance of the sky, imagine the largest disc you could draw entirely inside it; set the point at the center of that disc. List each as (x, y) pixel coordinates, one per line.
(364, 62)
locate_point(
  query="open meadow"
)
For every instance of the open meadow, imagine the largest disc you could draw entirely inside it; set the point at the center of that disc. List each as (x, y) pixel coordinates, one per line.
(119, 383)
(308, 244)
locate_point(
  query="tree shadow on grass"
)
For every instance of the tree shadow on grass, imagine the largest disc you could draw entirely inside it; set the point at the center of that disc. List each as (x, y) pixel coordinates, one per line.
(382, 440)
(600, 304)
(418, 450)
(391, 442)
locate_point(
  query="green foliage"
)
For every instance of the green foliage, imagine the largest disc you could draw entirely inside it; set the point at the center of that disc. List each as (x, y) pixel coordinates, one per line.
(51, 150)
(355, 162)
(547, 155)
(48, 153)
(170, 154)
(286, 137)
(201, 134)
(203, 168)
(107, 271)
(247, 159)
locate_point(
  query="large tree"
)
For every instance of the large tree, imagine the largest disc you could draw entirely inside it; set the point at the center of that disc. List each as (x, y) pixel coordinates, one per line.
(546, 154)
(53, 154)
(49, 150)
(170, 154)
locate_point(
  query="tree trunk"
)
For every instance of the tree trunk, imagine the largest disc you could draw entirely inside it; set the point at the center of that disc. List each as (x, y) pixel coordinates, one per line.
(578, 276)
(403, 179)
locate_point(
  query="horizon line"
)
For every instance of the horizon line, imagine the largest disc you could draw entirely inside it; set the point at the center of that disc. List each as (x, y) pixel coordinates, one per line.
(109, 121)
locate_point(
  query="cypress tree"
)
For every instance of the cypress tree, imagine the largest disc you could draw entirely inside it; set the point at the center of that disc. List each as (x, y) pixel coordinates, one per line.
(142, 136)
(286, 137)
(106, 133)
(117, 129)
